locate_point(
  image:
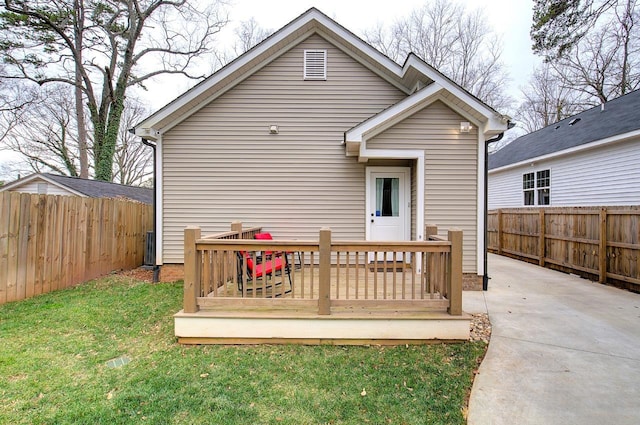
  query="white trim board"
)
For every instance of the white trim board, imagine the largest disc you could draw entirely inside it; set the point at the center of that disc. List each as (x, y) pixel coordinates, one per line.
(406, 171)
(418, 155)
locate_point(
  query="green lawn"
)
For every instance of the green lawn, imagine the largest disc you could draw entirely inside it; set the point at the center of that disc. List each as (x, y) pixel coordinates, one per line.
(54, 351)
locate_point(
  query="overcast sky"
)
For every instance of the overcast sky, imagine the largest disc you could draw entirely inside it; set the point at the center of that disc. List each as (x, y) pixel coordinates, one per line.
(509, 18)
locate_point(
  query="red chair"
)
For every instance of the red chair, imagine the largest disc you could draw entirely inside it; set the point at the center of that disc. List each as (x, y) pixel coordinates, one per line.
(262, 268)
(267, 237)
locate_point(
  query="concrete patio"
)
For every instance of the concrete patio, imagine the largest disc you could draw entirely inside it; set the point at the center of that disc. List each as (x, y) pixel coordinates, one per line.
(564, 350)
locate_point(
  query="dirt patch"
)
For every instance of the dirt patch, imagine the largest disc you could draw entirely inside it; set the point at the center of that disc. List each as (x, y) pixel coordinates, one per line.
(138, 274)
(171, 272)
(168, 273)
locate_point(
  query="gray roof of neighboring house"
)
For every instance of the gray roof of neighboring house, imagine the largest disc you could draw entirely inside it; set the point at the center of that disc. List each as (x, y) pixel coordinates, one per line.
(93, 188)
(619, 116)
(101, 189)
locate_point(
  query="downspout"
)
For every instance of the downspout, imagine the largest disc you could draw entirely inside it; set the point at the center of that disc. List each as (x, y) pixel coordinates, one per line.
(485, 278)
(156, 268)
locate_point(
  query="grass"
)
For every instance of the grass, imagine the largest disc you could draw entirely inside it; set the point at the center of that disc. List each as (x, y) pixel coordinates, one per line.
(54, 351)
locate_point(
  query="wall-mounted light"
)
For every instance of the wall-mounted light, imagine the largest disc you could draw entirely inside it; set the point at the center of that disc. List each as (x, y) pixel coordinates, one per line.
(465, 126)
(273, 129)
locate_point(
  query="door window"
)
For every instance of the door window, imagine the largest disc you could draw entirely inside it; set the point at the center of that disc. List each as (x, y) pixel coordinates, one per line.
(387, 197)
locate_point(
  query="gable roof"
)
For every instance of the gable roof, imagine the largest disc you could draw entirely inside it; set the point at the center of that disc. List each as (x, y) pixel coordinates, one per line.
(612, 120)
(412, 76)
(90, 188)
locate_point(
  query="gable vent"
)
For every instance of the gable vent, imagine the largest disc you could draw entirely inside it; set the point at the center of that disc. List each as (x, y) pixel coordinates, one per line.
(315, 64)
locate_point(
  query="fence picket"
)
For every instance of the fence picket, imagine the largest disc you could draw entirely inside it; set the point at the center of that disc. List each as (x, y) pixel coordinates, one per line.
(51, 242)
(600, 243)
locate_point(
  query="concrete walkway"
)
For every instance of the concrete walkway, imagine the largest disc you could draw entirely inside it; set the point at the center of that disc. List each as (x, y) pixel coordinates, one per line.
(563, 350)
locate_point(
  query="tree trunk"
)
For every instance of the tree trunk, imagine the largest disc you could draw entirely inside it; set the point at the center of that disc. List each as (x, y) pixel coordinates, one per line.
(78, 8)
(107, 147)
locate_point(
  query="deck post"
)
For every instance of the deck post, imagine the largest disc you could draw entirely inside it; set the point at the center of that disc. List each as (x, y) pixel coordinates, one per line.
(236, 226)
(430, 230)
(454, 280)
(324, 303)
(192, 262)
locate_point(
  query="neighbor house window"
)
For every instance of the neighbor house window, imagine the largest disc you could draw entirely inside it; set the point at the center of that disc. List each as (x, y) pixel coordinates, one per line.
(536, 188)
(528, 186)
(543, 181)
(315, 64)
(42, 188)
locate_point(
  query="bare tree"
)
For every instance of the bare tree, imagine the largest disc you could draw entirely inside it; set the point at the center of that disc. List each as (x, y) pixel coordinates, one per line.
(457, 43)
(246, 35)
(133, 161)
(593, 45)
(123, 44)
(605, 64)
(44, 132)
(546, 100)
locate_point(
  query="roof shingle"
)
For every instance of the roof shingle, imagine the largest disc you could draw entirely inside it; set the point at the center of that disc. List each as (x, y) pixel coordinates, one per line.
(616, 117)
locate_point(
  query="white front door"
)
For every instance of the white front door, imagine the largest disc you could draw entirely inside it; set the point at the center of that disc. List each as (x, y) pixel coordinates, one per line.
(388, 204)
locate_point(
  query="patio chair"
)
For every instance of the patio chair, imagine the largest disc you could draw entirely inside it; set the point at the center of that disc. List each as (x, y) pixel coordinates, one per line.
(266, 267)
(267, 237)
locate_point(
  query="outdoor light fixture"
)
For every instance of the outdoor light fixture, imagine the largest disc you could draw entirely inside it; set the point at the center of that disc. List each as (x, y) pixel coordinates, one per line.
(273, 129)
(465, 126)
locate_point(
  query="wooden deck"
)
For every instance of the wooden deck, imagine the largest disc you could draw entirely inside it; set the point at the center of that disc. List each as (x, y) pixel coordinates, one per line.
(341, 292)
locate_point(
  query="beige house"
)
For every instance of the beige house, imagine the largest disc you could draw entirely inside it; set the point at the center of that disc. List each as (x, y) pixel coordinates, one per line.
(315, 128)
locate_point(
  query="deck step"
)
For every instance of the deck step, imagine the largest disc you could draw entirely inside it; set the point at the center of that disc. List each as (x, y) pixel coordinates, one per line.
(302, 327)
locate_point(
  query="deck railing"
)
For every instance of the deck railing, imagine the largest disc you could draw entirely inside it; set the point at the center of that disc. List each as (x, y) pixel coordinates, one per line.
(322, 276)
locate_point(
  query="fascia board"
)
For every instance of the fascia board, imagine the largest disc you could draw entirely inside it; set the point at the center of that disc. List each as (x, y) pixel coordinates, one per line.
(495, 122)
(19, 182)
(391, 115)
(36, 176)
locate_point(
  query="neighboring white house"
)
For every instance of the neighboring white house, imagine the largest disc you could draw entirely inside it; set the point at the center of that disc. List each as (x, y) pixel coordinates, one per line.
(313, 127)
(589, 159)
(53, 184)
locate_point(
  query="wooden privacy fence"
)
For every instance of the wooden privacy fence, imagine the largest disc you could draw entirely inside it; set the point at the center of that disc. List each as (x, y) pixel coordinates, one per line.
(322, 274)
(601, 243)
(53, 242)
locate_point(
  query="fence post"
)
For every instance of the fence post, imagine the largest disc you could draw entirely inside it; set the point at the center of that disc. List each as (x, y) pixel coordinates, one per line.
(324, 302)
(236, 226)
(500, 232)
(542, 249)
(454, 280)
(602, 251)
(192, 263)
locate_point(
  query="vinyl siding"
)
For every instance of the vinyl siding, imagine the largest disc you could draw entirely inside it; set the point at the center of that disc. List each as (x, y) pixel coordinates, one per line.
(450, 170)
(505, 188)
(221, 164)
(32, 187)
(602, 176)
